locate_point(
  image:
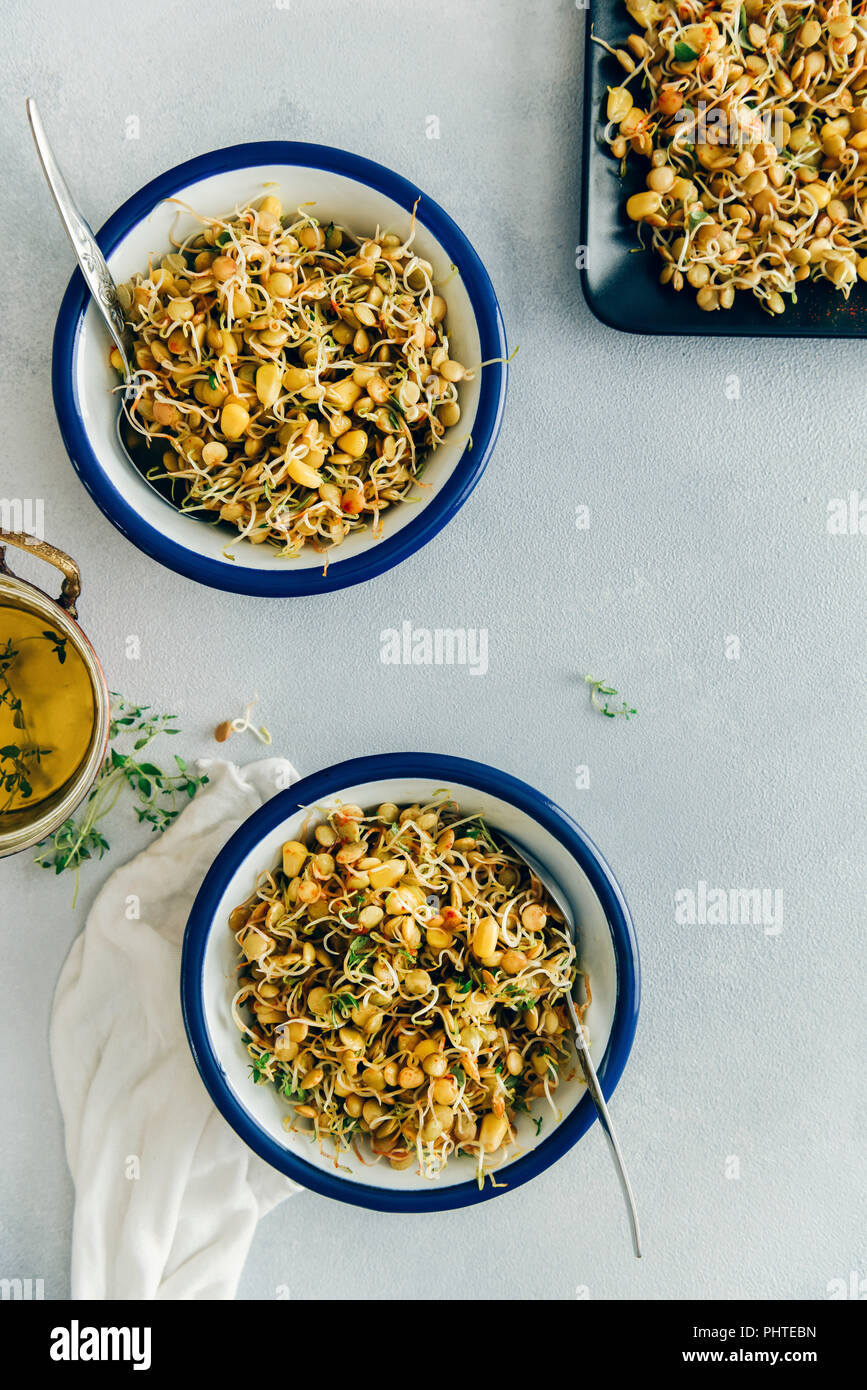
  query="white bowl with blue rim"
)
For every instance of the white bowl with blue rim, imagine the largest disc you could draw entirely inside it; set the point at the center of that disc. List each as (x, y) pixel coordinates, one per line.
(607, 951)
(349, 190)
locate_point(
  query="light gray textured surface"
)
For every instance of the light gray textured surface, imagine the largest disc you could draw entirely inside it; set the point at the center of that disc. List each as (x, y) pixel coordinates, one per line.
(708, 519)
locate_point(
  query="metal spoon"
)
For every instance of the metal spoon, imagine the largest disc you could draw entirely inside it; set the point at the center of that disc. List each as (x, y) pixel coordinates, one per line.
(100, 283)
(97, 275)
(587, 1066)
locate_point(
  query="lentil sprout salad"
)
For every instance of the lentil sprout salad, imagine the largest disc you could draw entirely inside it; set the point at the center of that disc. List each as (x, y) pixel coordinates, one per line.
(401, 985)
(293, 377)
(753, 117)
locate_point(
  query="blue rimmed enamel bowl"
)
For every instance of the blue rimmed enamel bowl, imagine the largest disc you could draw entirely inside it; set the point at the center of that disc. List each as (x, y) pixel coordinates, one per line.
(350, 190)
(607, 950)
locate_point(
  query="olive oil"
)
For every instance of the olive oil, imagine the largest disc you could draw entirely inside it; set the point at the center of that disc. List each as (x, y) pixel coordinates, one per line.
(47, 711)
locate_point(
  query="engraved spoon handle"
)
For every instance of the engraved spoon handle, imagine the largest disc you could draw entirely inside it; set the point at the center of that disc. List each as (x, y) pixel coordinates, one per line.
(93, 265)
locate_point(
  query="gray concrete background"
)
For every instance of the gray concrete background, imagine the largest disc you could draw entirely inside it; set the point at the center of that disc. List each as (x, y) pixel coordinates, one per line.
(708, 520)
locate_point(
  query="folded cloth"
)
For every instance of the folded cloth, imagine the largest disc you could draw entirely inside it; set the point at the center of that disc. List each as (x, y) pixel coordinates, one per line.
(166, 1195)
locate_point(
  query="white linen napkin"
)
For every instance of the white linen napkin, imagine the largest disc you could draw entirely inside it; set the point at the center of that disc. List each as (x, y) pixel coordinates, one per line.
(166, 1195)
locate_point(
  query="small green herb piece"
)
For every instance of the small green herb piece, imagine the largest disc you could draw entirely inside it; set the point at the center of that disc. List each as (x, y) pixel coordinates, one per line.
(517, 998)
(597, 688)
(14, 776)
(359, 950)
(58, 642)
(696, 217)
(477, 830)
(342, 1005)
(299, 1096)
(14, 771)
(259, 1066)
(683, 53)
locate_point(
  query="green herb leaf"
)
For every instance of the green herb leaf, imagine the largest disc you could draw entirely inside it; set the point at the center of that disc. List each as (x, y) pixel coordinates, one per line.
(683, 53)
(59, 644)
(359, 950)
(258, 1067)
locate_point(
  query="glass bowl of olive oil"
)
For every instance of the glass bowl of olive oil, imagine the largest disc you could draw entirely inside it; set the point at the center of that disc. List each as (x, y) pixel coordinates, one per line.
(54, 704)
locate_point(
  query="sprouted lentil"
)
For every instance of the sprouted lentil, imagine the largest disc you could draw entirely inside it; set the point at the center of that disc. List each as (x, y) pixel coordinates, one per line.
(242, 725)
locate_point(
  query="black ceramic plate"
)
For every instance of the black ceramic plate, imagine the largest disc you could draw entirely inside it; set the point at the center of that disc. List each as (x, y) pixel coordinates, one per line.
(621, 282)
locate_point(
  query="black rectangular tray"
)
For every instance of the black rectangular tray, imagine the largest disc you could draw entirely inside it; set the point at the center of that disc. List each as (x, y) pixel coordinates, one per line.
(621, 281)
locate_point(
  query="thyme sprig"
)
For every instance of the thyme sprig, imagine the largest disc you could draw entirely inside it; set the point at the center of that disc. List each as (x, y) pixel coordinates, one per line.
(15, 770)
(15, 758)
(160, 795)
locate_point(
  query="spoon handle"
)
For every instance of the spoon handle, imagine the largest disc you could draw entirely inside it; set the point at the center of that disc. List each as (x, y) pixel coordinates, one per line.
(91, 260)
(598, 1099)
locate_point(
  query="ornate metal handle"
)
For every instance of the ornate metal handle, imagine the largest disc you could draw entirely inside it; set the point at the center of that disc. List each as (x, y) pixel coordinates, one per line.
(91, 260)
(71, 587)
